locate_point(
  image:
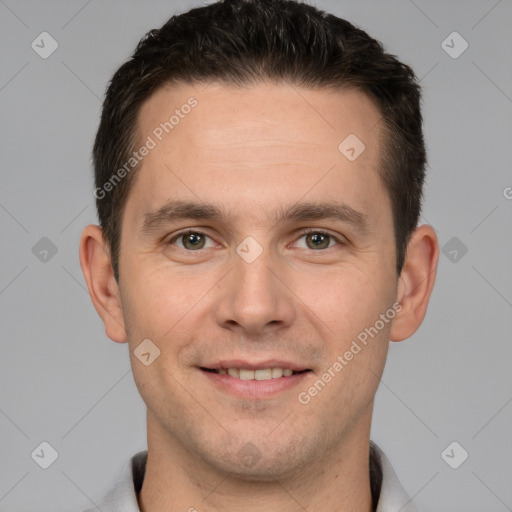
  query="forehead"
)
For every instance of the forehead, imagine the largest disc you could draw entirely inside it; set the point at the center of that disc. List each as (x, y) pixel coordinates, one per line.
(297, 115)
(227, 142)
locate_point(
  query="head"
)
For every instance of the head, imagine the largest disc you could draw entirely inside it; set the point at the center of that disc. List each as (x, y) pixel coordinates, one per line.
(234, 43)
(241, 107)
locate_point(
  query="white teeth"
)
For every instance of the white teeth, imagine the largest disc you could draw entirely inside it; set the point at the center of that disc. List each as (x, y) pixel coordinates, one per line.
(260, 374)
(246, 374)
(265, 374)
(277, 372)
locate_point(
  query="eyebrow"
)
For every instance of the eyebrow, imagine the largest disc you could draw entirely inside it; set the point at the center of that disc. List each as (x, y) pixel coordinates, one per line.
(178, 210)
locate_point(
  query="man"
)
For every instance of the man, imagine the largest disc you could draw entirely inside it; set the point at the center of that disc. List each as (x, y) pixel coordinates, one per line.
(259, 169)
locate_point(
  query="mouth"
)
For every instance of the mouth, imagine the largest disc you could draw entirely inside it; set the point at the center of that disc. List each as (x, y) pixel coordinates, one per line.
(258, 374)
(249, 381)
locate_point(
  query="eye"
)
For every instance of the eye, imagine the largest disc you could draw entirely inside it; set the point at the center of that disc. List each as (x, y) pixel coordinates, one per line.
(191, 240)
(317, 240)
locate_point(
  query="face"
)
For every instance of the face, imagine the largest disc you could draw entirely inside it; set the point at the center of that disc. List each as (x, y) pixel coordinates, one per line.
(252, 247)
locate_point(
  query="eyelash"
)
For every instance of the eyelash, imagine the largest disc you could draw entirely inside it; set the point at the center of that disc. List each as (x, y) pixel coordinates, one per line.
(303, 233)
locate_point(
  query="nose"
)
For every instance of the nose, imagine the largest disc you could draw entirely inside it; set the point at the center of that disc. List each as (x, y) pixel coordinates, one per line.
(254, 297)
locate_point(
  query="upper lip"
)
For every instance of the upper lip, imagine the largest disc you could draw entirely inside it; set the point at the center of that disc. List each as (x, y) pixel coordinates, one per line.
(248, 365)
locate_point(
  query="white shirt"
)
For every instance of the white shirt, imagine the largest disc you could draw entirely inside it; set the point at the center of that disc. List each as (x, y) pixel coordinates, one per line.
(391, 495)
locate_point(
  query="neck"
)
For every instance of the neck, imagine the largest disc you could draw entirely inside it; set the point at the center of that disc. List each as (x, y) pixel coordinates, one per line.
(176, 481)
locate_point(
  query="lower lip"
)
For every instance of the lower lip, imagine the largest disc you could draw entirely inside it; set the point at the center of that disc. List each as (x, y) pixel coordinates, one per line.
(255, 389)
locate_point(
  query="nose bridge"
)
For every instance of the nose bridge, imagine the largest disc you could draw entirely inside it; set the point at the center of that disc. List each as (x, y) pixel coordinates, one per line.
(257, 280)
(254, 298)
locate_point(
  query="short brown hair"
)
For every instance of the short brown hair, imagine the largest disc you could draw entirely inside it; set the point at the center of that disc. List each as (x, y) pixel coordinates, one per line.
(245, 42)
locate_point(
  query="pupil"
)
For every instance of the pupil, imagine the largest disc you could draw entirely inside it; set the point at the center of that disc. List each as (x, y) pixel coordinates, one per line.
(319, 240)
(194, 240)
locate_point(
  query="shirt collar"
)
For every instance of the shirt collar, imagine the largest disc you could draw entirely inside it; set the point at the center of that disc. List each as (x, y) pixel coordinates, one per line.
(386, 489)
(392, 496)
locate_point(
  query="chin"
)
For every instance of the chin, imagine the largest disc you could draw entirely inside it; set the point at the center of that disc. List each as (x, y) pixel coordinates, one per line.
(261, 462)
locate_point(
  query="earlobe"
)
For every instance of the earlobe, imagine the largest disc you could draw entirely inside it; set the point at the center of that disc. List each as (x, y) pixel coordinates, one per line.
(416, 282)
(99, 276)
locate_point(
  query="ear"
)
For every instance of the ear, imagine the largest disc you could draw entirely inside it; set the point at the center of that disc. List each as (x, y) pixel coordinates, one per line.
(416, 282)
(99, 276)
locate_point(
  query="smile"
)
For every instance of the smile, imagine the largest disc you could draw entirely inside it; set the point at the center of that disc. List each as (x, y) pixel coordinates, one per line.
(254, 383)
(260, 374)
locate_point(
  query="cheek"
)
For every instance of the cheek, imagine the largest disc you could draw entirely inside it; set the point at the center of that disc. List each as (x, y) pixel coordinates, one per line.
(350, 304)
(162, 300)
(346, 301)
(361, 338)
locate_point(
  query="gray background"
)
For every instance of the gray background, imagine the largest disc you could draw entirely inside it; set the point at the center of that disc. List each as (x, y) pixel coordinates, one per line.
(63, 381)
